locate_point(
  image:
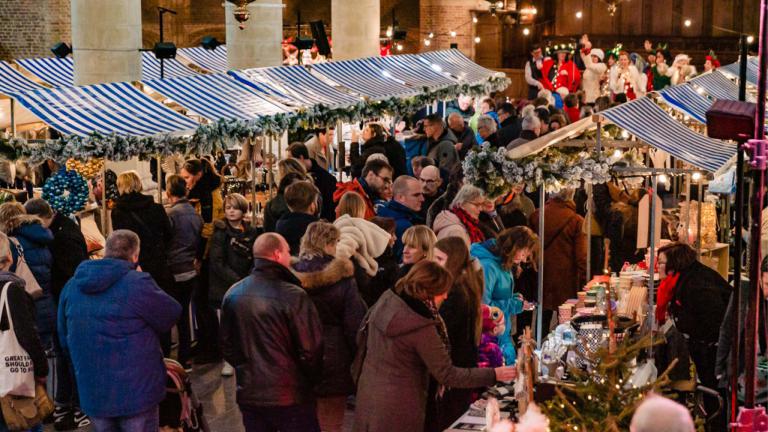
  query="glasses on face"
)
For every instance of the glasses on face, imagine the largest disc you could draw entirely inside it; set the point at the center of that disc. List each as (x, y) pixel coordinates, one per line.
(428, 181)
(386, 180)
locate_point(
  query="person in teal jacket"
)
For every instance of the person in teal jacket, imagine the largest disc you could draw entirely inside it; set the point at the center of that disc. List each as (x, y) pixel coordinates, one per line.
(501, 258)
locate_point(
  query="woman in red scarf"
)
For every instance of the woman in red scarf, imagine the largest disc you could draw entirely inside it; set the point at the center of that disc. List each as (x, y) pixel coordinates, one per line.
(462, 219)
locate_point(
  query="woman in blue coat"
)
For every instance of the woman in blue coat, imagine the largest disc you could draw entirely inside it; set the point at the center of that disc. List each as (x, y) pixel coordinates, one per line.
(501, 259)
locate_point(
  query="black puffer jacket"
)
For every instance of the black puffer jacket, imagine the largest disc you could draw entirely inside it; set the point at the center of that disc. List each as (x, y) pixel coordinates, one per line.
(332, 288)
(230, 257)
(68, 250)
(699, 303)
(272, 334)
(140, 214)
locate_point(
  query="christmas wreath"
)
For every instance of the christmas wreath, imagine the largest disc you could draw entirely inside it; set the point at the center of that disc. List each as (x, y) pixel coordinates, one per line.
(66, 192)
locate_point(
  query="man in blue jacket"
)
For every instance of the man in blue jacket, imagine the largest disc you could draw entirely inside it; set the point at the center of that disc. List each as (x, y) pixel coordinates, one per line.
(404, 208)
(111, 316)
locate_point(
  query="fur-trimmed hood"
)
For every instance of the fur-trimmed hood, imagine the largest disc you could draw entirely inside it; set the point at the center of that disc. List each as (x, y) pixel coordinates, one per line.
(322, 271)
(17, 221)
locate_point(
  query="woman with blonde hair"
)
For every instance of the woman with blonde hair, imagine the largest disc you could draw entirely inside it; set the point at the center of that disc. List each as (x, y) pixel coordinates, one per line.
(139, 213)
(405, 341)
(352, 204)
(290, 165)
(418, 244)
(330, 284)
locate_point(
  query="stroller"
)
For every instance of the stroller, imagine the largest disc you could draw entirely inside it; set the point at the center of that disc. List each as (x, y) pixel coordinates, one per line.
(180, 410)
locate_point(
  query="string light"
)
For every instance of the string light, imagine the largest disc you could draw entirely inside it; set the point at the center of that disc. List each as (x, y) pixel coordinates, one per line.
(399, 47)
(687, 23)
(617, 153)
(663, 179)
(389, 32)
(526, 31)
(625, 134)
(579, 15)
(431, 35)
(477, 39)
(453, 33)
(750, 39)
(474, 20)
(427, 42)
(696, 176)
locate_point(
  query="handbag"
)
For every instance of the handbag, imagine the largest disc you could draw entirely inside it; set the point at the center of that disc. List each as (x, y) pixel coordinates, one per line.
(23, 271)
(17, 374)
(23, 413)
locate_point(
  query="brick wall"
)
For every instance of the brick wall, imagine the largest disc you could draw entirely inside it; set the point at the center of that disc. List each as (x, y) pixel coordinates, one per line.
(30, 28)
(443, 16)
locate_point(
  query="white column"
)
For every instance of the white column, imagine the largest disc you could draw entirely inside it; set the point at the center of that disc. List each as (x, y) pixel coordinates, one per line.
(106, 37)
(258, 43)
(355, 28)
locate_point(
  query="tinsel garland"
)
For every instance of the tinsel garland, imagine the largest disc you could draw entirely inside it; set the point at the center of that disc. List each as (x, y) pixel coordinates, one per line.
(554, 169)
(66, 192)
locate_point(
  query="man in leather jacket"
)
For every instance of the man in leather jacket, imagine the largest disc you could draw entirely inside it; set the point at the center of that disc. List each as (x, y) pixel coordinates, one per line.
(272, 335)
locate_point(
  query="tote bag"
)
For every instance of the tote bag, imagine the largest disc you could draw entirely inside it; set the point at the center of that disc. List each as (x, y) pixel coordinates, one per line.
(17, 375)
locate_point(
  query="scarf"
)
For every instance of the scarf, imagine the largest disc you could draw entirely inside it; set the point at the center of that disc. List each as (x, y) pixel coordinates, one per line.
(665, 293)
(470, 223)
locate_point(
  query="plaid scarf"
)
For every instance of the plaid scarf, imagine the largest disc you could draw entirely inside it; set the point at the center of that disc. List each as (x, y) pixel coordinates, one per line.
(470, 223)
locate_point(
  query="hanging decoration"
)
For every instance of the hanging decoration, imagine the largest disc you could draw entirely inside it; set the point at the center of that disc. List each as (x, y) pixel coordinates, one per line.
(88, 169)
(554, 169)
(66, 192)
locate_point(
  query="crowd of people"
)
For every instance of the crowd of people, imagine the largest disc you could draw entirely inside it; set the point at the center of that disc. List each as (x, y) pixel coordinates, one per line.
(372, 287)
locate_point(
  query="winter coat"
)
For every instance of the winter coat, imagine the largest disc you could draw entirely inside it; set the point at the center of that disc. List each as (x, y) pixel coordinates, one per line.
(395, 153)
(68, 249)
(273, 211)
(333, 291)
(292, 227)
(272, 334)
(385, 279)
(22, 309)
(317, 153)
(207, 199)
(443, 151)
(569, 76)
(139, 213)
(362, 240)
(404, 218)
(36, 240)
(358, 154)
(565, 252)
(525, 137)
(618, 84)
(447, 224)
(361, 187)
(230, 258)
(184, 248)
(403, 349)
(699, 303)
(591, 77)
(326, 184)
(499, 291)
(509, 131)
(110, 319)
(443, 202)
(467, 139)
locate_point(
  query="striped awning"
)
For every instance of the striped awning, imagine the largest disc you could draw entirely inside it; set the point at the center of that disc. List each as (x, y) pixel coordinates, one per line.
(717, 85)
(687, 100)
(106, 108)
(458, 65)
(409, 69)
(58, 72)
(216, 96)
(172, 68)
(61, 72)
(365, 78)
(650, 123)
(212, 60)
(12, 81)
(753, 66)
(294, 86)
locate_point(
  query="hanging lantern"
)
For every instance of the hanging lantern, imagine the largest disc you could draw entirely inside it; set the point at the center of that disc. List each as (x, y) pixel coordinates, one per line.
(241, 11)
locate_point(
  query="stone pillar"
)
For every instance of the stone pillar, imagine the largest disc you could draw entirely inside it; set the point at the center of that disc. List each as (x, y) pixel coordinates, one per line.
(259, 43)
(355, 28)
(106, 37)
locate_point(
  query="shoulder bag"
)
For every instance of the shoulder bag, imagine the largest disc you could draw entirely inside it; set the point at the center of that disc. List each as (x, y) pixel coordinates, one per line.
(23, 271)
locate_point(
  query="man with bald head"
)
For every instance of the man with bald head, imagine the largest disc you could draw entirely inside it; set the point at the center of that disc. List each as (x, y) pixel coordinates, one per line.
(659, 414)
(272, 334)
(464, 134)
(431, 187)
(407, 200)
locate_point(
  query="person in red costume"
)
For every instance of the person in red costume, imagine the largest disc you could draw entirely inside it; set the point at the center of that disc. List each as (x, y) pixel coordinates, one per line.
(560, 72)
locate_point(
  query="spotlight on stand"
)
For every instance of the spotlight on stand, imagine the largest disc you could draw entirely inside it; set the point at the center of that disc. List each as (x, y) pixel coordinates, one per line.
(164, 50)
(210, 43)
(61, 50)
(731, 120)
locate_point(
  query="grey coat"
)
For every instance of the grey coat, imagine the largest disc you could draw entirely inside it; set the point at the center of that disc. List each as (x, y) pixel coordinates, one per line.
(443, 151)
(403, 350)
(186, 227)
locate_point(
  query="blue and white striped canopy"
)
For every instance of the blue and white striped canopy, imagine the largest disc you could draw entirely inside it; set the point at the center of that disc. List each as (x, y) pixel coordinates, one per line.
(12, 81)
(365, 78)
(172, 68)
(649, 122)
(688, 101)
(294, 86)
(106, 108)
(717, 85)
(409, 69)
(753, 66)
(216, 96)
(458, 65)
(61, 72)
(212, 60)
(58, 72)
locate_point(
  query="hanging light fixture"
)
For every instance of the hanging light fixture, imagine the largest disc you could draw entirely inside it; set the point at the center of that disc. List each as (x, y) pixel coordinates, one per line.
(241, 12)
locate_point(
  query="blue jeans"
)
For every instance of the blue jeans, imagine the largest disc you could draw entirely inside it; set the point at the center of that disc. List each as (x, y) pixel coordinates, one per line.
(142, 422)
(294, 418)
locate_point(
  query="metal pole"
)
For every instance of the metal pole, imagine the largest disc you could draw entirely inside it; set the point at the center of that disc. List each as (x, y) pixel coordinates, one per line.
(341, 152)
(13, 118)
(652, 260)
(686, 238)
(588, 223)
(540, 290)
(700, 186)
(758, 165)
(737, 252)
(104, 199)
(159, 181)
(253, 181)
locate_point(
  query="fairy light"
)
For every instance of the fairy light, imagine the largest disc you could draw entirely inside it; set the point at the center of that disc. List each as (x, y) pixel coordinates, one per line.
(625, 134)
(663, 179)
(750, 39)
(526, 31)
(389, 32)
(500, 4)
(687, 23)
(474, 20)
(617, 153)
(477, 39)
(427, 42)
(399, 47)
(431, 35)
(696, 176)
(453, 33)
(579, 14)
